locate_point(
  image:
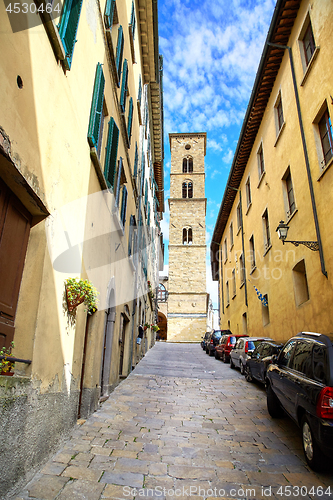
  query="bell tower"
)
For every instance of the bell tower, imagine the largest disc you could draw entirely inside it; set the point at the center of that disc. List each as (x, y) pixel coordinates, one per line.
(187, 300)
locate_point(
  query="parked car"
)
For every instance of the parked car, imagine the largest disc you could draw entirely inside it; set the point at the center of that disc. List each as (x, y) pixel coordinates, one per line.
(300, 382)
(227, 342)
(212, 341)
(204, 340)
(261, 357)
(243, 350)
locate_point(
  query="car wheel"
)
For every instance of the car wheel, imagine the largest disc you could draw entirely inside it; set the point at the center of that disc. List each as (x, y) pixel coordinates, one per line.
(312, 453)
(231, 363)
(216, 355)
(242, 370)
(224, 358)
(211, 352)
(207, 351)
(248, 374)
(273, 404)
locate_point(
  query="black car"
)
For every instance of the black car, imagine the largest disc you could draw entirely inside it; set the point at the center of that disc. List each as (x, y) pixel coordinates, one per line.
(204, 340)
(256, 365)
(212, 341)
(300, 381)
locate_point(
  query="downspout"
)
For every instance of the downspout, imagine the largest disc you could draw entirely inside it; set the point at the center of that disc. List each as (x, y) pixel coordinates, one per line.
(306, 157)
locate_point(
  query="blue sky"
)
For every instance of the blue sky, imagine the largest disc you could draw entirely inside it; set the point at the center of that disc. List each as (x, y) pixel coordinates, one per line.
(211, 53)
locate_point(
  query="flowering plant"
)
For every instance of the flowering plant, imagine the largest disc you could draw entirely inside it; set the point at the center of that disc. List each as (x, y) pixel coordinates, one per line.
(5, 364)
(78, 291)
(155, 328)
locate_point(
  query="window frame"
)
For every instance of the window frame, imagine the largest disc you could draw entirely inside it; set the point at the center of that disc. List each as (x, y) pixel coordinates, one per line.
(266, 229)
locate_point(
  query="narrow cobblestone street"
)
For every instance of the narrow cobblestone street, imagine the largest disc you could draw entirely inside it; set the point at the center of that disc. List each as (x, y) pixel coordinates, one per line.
(181, 425)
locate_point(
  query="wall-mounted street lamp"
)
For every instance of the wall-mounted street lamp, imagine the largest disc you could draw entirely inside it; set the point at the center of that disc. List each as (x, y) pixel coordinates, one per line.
(282, 231)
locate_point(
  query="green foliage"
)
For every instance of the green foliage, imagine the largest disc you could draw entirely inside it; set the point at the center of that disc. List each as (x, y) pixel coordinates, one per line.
(5, 364)
(78, 289)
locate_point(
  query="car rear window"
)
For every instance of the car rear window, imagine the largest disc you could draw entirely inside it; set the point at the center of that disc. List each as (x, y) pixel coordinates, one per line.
(302, 358)
(320, 364)
(252, 344)
(233, 340)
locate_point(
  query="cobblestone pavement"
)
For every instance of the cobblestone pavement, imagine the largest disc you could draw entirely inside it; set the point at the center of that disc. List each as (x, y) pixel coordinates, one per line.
(181, 425)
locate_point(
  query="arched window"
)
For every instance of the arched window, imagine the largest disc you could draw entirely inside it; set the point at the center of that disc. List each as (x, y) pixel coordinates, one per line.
(187, 164)
(187, 189)
(187, 236)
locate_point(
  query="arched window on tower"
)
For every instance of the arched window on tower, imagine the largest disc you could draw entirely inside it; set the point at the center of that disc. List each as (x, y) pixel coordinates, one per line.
(187, 164)
(187, 236)
(187, 189)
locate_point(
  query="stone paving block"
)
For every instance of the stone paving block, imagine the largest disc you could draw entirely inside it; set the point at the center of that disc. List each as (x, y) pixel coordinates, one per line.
(63, 458)
(81, 489)
(157, 469)
(124, 453)
(267, 479)
(53, 468)
(46, 487)
(115, 491)
(82, 473)
(132, 465)
(183, 472)
(123, 478)
(99, 450)
(115, 445)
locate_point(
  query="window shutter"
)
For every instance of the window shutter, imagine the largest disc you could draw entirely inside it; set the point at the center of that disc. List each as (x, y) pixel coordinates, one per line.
(96, 107)
(146, 193)
(130, 119)
(133, 20)
(148, 216)
(111, 153)
(109, 11)
(143, 166)
(118, 180)
(130, 235)
(136, 160)
(124, 86)
(140, 89)
(68, 28)
(123, 206)
(119, 50)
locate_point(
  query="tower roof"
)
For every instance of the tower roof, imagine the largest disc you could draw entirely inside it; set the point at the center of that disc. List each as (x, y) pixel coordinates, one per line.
(184, 135)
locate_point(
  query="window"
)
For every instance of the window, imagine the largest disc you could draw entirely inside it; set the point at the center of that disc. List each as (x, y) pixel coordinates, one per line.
(187, 165)
(279, 119)
(123, 93)
(68, 28)
(130, 120)
(239, 216)
(326, 137)
(261, 163)
(96, 110)
(241, 269)
(267, 235)
(302, 359)
(111, 154)
(233, 283)
(120, 180)
(248, 192)
(244, 321)
(288, 192)
(109, 13)
(227, 293)
(123, 206)
(300, 283)
(225, 250)
(131, 235)
(286, 353)
(265, 311)
(119, 51)
(231, 232)
(308, 42)
(136, 161)
(133, 21)
(252, 253)
(187, 236)
(162, 293)
(187, 189)
(320, 364)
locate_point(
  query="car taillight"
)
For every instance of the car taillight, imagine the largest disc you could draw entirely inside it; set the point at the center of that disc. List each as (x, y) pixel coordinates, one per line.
(325, 403)
(211, 341)
(246, 347)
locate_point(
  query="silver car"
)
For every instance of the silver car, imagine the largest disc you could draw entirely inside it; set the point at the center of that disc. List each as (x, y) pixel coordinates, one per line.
(242, 351)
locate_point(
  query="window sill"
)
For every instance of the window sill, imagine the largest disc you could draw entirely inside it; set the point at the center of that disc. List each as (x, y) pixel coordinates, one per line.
(242, 284)
(227, 305)
(111, 53)
(232, 298)
(117, 221)
(261, 178)
(238, 230)
(131, 43)
(324, 170)
(225, 260)
(291, 216)
(267, 250)
(309, 66)
(248, 208)
(253, 269)
(232, 246)
(279, 133)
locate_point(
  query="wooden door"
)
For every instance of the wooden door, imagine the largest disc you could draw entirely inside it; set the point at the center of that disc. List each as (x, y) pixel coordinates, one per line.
(15, 223)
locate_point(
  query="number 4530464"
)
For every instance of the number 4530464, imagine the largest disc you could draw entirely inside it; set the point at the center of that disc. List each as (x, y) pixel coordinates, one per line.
(25, 8)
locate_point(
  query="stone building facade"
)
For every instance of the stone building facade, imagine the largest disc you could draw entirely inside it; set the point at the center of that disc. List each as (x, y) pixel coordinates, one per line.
(282, 170)
(187, 296)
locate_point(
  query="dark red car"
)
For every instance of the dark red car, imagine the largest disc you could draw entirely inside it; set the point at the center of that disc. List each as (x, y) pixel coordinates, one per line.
(227, 342)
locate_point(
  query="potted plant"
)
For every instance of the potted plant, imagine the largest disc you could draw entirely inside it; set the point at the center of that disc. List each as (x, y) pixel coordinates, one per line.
(155, 328)
(78, 291)
(146, 325)
(6, 365)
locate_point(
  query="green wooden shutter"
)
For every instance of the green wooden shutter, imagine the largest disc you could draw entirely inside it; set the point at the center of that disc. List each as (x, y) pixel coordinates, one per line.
(148, 217)
(118, 180)
(111, 153)
(109, 11)
(124, 86)
(130, 120)
(140, 90)
(146, 193)
(130, 235)
(119, 51)
(96, 107)
(136, 160)
(133, 20)
(123, 206)
(68, 28)
(143, 166)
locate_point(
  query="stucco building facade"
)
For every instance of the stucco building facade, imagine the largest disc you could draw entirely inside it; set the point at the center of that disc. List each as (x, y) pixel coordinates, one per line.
(282, 171)
(81, 196)
(187, 296)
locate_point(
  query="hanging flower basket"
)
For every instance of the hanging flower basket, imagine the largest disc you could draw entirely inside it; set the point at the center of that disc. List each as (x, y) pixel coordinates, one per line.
(79, 291)
(6, 366)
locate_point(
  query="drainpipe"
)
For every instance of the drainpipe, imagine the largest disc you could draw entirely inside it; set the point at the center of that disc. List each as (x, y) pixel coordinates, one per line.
(306, 157)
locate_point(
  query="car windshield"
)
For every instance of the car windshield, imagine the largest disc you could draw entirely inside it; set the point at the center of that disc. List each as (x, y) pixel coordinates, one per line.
(252, 344)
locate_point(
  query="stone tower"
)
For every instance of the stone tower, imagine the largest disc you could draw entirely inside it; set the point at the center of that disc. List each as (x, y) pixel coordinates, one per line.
(187, 301)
